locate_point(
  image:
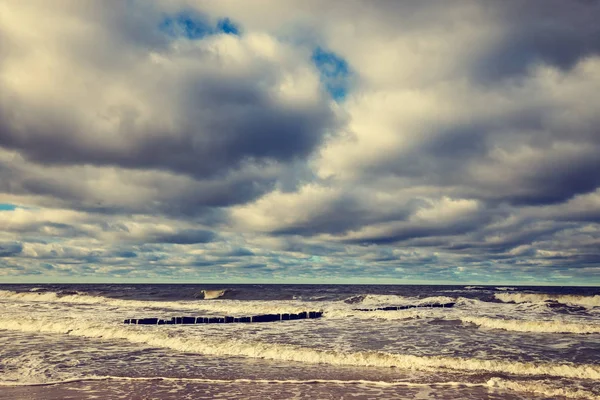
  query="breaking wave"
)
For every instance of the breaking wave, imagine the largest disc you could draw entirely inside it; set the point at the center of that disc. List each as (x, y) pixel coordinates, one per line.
(538, 326)
(383, 299)
(52, 297)
(213, 294)
(545, 388)
(231, 307)
(413, 313)
(283, 352)
(572, 300)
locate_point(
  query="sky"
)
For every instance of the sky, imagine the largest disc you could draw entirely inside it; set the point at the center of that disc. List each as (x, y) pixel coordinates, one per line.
(300, 141)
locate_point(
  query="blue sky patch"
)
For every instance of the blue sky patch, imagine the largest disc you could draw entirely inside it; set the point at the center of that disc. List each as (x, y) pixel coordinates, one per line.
(7, 207)
(225, 25)
(195, 26)
(334, 72)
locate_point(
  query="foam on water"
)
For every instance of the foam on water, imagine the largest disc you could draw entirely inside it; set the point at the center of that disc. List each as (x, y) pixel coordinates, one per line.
(381, 300)
(233, 307)
(535, 387)
(572, 300)
(345, 313)
(228, 306)
(216, 346)
(213, 294)
(540, 326)
(25, 369)
(542, 387)
(246, 381)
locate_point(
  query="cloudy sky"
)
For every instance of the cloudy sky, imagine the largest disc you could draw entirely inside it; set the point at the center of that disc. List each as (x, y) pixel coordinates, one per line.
(300, 141)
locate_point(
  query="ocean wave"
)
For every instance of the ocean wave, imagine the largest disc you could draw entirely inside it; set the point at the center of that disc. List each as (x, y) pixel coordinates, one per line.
(478, 305)
(231, 347)
(383, 299)
(399, 315)
(572, 300)
(506, 288)
(213, 294)
(229, 307)
(30, 369)
(475, 287)
(52, 297)
(545, 388)
(537, 326)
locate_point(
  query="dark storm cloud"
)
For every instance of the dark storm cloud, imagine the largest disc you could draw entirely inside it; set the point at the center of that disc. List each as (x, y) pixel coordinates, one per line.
(239, 252)
(506, 240)
(190, 236)
(171, 194)
(561, 180)
(556, 32)
(452, 156)
(224, 124)
(209, 109)
(342, 214)
(126, 254)
(10, 249)
(421, 230)
(33, 229)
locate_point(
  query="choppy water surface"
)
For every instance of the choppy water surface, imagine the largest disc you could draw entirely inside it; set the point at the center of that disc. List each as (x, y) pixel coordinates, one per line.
(69, 341)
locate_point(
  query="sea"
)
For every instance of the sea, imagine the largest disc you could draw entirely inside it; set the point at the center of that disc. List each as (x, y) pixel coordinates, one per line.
(70, 341)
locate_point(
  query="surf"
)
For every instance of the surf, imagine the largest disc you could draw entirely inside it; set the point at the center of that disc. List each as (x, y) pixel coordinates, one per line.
(572, 300)
(213, 294)
(216, 305)
(532, 326)
(214, 346)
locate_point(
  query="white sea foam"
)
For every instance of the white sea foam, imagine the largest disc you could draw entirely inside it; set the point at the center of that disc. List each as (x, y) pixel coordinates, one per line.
(487, 308)
(584, 301)
(50, 297)
(506, 288)
(538, 387)
(213, 294)
(412, 313)
(516, 325)
(229, 307)
(246, 381)
(545, 388)
(380, 300)
(474, 287)
(29, 368)
(227, 347)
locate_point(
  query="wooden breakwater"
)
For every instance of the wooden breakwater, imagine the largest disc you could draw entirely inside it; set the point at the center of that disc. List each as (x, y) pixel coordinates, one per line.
(395, 308)
(225, 320)
(265, 317)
